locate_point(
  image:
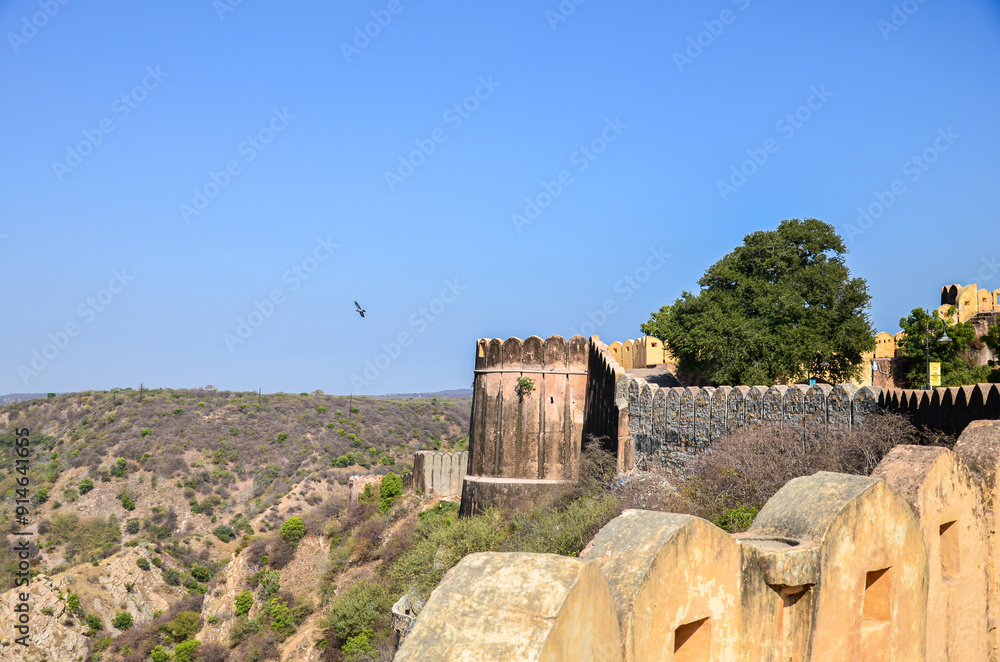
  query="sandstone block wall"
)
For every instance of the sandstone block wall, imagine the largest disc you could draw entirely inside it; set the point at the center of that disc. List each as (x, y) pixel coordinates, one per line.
(948, 501)
(534, 434)
(439, 473)
(835, 568)
(603, 404)
(524, 441)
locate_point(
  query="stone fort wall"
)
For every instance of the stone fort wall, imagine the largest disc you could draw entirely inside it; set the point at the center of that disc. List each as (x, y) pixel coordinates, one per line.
(524, 443)
(899, 566)
(439, 472)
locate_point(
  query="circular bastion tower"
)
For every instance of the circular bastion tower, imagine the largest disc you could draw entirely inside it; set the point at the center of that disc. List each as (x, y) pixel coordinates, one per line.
(526, 430)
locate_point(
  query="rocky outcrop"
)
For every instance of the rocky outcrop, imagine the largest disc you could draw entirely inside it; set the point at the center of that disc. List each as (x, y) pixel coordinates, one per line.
(58, 636)
(51, 636)
(219, 607)
(301, 576)
(127, 588)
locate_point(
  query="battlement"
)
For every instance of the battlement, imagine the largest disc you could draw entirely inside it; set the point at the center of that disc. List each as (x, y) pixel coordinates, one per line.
(896, 567)
(535, 402)
(438, 472)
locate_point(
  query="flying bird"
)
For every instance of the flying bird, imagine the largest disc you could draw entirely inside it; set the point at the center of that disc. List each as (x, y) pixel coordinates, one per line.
(361, 311)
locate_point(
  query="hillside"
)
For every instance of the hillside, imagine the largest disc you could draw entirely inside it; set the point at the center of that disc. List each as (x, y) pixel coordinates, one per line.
(181, 479)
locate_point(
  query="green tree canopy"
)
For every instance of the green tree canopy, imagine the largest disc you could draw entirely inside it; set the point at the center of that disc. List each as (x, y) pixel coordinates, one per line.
(958, 367)
(992, 340)
(780, 305)
(391, 488)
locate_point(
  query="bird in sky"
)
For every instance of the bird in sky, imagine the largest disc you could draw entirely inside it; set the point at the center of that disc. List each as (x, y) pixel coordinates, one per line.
(361, 311)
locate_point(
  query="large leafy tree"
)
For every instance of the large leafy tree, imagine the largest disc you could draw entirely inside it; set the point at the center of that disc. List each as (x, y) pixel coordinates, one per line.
(992, 340)
(957, 358)
(779, 306)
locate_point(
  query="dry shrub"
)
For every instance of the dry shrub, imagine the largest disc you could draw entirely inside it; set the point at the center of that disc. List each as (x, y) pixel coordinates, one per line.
(748, 467)
(401, 541)
(652, 491)
(261, 646)
(211, 653)
(357, 514)
(318, 519)
(367, 538)
(255, 551)
(280, 553)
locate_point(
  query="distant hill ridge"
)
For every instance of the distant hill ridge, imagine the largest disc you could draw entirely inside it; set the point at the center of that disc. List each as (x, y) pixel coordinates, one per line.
(453, 393)
(21, 397)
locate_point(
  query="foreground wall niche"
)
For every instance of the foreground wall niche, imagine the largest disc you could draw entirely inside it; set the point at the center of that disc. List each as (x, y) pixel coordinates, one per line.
(948, 502)
(675, 583)
(495, 607)
(869, 591)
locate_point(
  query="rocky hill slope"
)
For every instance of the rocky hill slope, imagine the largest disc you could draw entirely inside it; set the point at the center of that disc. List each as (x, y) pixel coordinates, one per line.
(138, 506)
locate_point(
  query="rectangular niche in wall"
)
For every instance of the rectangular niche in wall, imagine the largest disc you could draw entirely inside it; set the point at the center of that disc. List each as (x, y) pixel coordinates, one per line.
(693, 641)
(793, 622)
(878, 591)
(948, 550)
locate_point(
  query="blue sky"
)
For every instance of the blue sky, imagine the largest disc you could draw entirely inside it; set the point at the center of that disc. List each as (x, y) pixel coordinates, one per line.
(197, 194)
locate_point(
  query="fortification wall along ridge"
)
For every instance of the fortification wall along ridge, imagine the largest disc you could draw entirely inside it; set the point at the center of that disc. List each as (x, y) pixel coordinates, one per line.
(356, 485)
(527, 419)
(438, 472)
(949, 410)
(670, 426)
(525, 441)
(896, 567)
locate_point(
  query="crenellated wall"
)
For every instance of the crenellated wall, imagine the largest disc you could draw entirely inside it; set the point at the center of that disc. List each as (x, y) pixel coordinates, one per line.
(439, 472)
(670, 426)
(522, 444)
(604, 418)
(901, 566)
(523, 438)
(948, 410)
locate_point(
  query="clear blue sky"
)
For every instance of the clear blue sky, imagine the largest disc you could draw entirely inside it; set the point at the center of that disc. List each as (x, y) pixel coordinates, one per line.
(115, 113)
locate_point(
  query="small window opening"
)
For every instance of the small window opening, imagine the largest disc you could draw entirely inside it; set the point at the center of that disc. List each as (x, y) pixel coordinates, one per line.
(878, 590)
(693, 641)
(552, 401)
(949, 551)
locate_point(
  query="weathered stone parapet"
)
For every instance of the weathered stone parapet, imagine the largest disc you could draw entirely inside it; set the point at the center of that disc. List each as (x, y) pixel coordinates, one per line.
(835, 568)
(979, 449)
(869, 599)
(438, 472)
(481, 492)
(675, 584)
(495, 607)
(948, 502)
